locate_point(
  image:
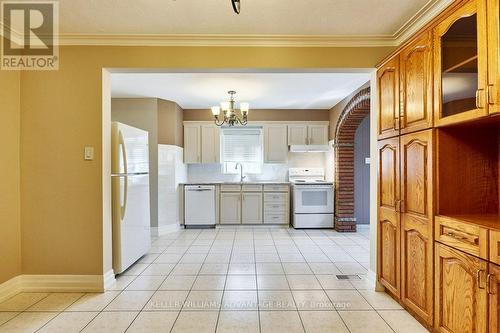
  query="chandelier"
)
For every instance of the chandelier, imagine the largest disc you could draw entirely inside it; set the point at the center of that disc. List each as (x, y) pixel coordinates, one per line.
(229, 115)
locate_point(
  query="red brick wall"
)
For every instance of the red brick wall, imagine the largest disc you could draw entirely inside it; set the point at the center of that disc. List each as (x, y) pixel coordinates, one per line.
(350, 118)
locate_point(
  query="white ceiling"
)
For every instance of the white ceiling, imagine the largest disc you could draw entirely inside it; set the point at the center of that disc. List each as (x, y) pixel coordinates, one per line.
(258, 17)
(261, 90)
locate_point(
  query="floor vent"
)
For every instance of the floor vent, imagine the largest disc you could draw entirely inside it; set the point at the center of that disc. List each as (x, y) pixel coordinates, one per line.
(348, 277)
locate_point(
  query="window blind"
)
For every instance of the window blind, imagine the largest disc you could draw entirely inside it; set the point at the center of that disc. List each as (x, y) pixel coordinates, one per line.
(242, 145)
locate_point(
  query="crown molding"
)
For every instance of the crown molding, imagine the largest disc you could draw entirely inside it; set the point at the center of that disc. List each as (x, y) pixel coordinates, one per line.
(227, 40)
(416, 22)
(432, 9)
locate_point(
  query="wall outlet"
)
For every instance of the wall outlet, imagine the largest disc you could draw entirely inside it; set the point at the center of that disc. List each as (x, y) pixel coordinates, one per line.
(88, 154)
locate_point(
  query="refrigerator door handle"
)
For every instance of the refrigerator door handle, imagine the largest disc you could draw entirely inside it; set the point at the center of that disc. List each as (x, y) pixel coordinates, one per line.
(121, 142)
(123, 207)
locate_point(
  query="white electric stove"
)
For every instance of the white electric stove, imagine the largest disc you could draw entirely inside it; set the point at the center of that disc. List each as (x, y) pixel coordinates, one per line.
(312, 198)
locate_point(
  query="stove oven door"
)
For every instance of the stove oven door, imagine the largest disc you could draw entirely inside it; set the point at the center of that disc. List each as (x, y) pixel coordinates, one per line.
(313, 199)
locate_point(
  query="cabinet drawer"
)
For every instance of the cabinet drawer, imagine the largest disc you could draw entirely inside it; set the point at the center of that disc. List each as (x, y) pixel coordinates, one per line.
(495, 247)
(469, 238)
(276, 188)
(275, 197)
(272, 207)
(280, 218)
(230, 188)
(251, 188)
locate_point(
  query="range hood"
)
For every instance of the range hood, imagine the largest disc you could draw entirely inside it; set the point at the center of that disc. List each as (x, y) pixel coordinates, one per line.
(309, 148)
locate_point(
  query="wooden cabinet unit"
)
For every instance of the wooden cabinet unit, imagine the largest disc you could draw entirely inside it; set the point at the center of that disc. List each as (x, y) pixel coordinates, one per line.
(389, 228)
(493, 88)
(461, 296)
(417, 269)
(416, 85)
(388, 87)
(460, 65)
(438, 247)
(495, 247)
(493, 288)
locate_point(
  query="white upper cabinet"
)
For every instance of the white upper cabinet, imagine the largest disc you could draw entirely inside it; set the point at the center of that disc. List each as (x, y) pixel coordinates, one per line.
(210, 144)
(307, 134)
(192, 143)
(275, 144)
(297, 134)
(317, 134)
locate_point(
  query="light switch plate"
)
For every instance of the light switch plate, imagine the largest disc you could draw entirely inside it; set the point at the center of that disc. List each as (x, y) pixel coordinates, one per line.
(367, 160)
(88, 154)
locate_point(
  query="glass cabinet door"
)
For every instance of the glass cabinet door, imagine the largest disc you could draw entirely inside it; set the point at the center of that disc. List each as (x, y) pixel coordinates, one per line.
(493, 10)
(461, 65)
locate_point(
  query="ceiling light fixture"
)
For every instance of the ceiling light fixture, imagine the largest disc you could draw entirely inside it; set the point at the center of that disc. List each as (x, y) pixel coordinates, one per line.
(236, 6)
(229, 112)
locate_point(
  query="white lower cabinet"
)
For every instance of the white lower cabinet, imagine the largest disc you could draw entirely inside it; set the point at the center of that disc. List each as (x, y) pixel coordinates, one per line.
(251, 212)
(254, 204)
(230, 208)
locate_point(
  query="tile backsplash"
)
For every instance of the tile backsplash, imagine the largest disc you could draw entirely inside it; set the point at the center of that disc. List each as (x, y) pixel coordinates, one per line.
(270, 172)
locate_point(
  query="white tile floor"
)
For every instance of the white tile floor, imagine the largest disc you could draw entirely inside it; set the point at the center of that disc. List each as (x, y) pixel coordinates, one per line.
(227, 280)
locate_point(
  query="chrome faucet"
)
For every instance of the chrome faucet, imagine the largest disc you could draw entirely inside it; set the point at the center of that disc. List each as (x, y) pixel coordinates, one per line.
(241, 171)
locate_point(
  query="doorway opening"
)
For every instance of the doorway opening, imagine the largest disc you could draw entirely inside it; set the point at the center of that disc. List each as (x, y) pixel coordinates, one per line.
(353, 115)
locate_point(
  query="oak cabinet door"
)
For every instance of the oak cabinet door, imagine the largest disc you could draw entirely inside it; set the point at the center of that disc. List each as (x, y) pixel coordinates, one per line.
(493, 9)
(210, 144)
(297, 135)
(388, 90)
(192, 144)
(251, 211)
(230, 208)
(493, 287)
(416, 85)
(416, 223)
(461, 65)
(389, 230)
(318, 134)
(460, 292)
(275, 144)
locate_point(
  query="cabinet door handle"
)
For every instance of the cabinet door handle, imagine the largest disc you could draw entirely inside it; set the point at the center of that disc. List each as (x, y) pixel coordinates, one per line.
(397, 206)
(489, 282)
(478, 277)
(490, 93)
(478, 99)
(396, 123)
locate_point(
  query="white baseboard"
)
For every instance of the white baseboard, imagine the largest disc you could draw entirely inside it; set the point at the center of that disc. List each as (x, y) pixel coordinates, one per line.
(10, 288)
(165, 229)
(56, 283)
(62, 283)
(108, 279)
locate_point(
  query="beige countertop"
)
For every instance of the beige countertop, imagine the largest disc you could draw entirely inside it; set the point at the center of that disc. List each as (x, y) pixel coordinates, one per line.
(265, 182)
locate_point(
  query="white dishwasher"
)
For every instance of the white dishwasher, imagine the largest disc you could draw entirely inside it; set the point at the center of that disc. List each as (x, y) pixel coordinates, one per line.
(199, 205)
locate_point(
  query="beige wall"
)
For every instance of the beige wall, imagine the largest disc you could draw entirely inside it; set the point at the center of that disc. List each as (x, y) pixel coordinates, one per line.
(61, 112)
(263, 115)
(142, 113)
(10, 221)
(337, 110)
(170, 129)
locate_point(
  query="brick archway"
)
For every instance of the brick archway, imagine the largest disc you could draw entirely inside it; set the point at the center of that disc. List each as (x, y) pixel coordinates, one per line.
(350, 118)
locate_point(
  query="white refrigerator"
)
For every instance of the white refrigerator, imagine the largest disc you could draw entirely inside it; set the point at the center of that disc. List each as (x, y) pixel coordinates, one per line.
(130, 195)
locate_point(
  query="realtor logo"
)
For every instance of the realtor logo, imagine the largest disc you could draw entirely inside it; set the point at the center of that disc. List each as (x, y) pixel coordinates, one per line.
(30, 31)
